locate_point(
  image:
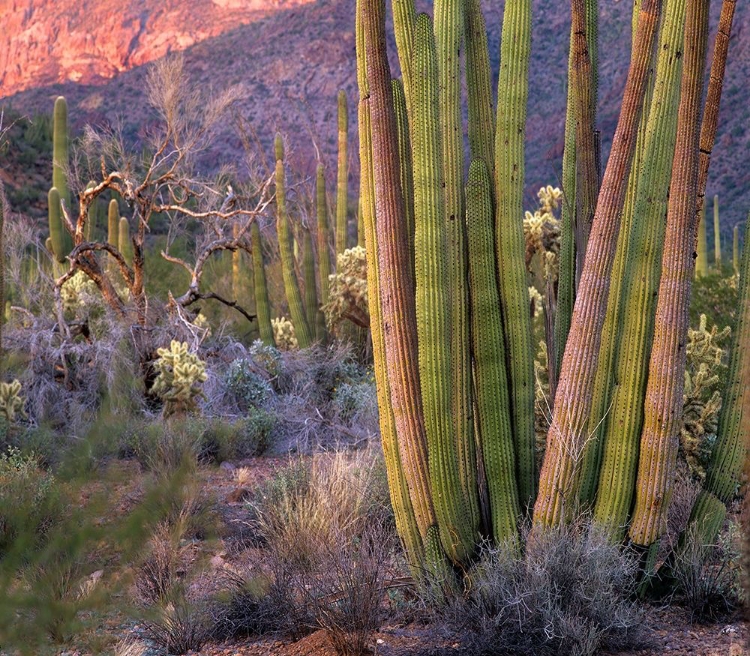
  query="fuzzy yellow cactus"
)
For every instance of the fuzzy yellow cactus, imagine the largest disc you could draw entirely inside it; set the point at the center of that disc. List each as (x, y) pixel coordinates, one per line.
(77, 292)
(283, 334)
(347, 290)
(180, 377)
(541, 231)
(701, 401)
(11, 401)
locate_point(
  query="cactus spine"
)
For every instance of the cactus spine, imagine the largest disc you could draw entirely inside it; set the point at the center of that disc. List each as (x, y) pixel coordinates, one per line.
(640, 281)
(717, 235)
(701, 260)
(512, 93)
(495, 434)
(663, 404)
(432, 301)
(262, 304)
(291, 286)
(573, 400)
(449, 28)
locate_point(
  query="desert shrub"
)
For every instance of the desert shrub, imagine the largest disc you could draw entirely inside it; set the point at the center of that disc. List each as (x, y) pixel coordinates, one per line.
(266, 357)
(355, 401)
(178, 624)
(250, 390)
(165, 447)
(569, 594)
(244, 607)
(709, 576)
(30, 501)
(157, 573)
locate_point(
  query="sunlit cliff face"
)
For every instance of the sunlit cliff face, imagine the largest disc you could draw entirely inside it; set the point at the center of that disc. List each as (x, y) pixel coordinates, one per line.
(51, 41)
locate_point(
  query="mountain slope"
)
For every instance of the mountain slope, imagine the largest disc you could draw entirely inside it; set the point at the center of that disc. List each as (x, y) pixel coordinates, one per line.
(293, 58)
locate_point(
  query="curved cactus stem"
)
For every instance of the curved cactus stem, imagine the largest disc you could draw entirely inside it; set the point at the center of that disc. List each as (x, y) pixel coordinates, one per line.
(566, 438)
(262, 304)
(626, 342)
(663, 405)
(283, 229)
(493, 419)
(342, 179)
(512, 93)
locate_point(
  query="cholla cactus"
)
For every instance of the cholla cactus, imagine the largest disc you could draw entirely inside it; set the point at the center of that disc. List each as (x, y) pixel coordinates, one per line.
(203, 324)
(347, 295)
(11, 401)
(701, 402)
(78, 292)
(283, 333)
(541, 231)
(181, 374)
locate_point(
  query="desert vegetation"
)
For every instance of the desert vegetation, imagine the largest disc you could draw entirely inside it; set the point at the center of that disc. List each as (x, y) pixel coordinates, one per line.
(240, 409)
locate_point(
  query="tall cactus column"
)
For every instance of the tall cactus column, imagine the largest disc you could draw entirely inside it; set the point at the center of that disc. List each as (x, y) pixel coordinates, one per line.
(62, 242)
(457, 534)
(343, 174)
(449, 28)
(398, 317)
(663, 406)
(717, 235)
(701, 248)
(262, 304)
(323, 236)
(291, 286)
(312, 309)
(566, 437)
(512, 93)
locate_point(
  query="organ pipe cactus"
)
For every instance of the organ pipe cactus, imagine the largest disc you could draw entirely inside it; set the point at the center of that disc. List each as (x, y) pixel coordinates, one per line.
(432, 301)
(404, 18)
(291, 286)
(404, 156)
(717, 235)
(323, 236)
(312, 309)
(449, 29)
(566, 438)
(663, 405)
(724, 473)
(495, 433)
(262, 304)
(634, 319)
(62, 242)
(343, 173)
(512, 93)
(123, 239)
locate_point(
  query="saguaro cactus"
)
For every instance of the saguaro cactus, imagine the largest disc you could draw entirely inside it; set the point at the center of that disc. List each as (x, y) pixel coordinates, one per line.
(488, 350)
(56, 230)
(342, 179)
(62, 242)
(663, 406)
(291, 286)
(512, 93)
(123, 240)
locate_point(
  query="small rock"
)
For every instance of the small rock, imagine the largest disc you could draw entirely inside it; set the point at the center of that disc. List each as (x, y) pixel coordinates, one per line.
(227, 466)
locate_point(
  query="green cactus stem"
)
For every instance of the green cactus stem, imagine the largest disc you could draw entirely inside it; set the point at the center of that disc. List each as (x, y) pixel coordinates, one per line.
(457, 535)
(283, 229)
(512, 93)
(701, 260)
(717, 235)
(493, 419)
(63, 243)
(736, 249)
(324, 239)
(404, 17)
(56, 230)
(312, 310)
(342, 178)
(262, 304)
(123, 239)
(405, 160)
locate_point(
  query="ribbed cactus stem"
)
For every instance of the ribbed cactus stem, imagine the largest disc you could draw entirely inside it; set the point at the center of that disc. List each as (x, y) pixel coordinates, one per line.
(736, 249)
(567, 434)
(634, 322)
(398, 315)
(701, 249)
(308, 273)
(342, 179)
(663, 405)
(495, 434)
(717, 235)
(324, 238)
(512, 93)
(262, 304)
(449, 31)
(360, 225)
(286, 251)
(60, 163)
(123, 239)
(56, 230)
(93, 215)
(404, 157)
(457, 534)
(404, 17)
(479, 87)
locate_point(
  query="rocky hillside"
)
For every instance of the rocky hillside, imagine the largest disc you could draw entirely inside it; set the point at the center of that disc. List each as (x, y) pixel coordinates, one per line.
(293, 55)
